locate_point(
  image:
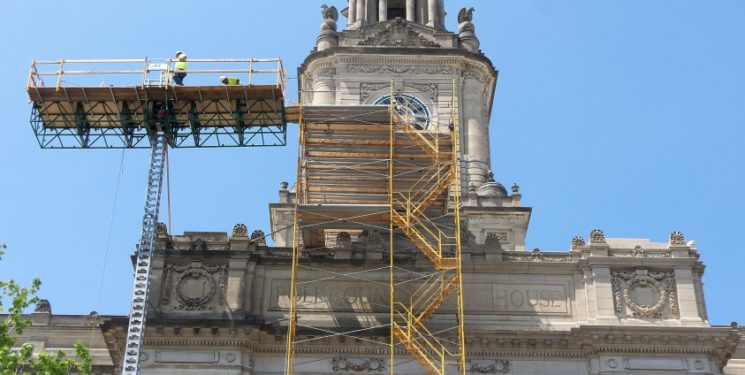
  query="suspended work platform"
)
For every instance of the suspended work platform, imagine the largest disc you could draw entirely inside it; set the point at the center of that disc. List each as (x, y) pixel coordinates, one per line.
(123, 103)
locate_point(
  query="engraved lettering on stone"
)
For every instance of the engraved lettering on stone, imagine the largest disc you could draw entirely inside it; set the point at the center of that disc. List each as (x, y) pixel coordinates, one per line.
(543, 298)
(357, 364)
(488, 367)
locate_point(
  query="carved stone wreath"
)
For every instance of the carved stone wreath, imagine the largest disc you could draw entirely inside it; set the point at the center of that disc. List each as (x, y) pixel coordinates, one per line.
(194, 302)
(357, 364)
(625, 282)
(178, 278)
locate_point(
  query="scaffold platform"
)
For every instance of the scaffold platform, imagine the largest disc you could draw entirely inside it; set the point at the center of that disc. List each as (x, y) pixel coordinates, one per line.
(369, 171)
(124, 103)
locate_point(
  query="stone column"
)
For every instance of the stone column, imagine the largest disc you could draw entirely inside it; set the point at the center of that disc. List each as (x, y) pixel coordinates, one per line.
(371, 15)
(324, 90)
(352, 13)
(432, 13)
(361, 9)
(410, 11)
(421, 12)
(382, 10)
(475, 135)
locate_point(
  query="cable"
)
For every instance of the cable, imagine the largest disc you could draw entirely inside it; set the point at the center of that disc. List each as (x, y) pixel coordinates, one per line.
(168, 188)
(108, 238)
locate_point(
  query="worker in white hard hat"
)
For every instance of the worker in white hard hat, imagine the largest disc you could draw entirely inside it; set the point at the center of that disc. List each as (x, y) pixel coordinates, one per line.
(230, 81)
(181, 65)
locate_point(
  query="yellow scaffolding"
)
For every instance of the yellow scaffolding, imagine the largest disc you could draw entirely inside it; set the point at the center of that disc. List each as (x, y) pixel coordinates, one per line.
(407, 182)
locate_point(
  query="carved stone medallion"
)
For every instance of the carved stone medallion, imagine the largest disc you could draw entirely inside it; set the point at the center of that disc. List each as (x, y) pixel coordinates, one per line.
(642, 293)
(194, 286)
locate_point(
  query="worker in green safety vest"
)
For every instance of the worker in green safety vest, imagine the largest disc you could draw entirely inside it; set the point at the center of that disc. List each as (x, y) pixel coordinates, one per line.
(181, 65)
(230, 81)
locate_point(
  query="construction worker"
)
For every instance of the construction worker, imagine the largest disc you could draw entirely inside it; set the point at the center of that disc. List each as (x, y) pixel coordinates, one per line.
(181, 65)
(230, 81)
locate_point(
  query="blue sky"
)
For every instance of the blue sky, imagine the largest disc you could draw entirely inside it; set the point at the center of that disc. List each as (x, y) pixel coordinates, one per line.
(626, 116)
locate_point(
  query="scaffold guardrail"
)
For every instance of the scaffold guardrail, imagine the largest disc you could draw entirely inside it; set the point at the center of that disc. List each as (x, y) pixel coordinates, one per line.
(119, 103)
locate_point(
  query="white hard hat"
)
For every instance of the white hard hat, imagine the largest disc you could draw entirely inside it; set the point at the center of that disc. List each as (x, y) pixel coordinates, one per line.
(222, 78)
(179, 53)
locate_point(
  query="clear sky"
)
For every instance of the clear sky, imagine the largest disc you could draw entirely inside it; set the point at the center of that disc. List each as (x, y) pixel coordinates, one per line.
(627, 116)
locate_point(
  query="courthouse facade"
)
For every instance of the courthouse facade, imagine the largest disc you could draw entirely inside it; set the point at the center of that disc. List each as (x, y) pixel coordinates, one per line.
(219, 301)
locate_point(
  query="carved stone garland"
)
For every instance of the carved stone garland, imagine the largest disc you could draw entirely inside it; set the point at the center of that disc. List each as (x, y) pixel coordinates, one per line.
(488, 367)
(367, 88)
(340, 364)
(661, 282)
(398, 34)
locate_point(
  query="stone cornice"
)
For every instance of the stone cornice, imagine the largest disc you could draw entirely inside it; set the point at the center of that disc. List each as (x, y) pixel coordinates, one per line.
(715, 342)
(349, 55)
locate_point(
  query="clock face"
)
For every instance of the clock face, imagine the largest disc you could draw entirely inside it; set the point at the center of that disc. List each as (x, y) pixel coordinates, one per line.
(411, 107)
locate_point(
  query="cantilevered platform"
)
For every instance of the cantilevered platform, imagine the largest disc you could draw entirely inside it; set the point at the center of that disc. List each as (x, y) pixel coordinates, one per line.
(127, 112)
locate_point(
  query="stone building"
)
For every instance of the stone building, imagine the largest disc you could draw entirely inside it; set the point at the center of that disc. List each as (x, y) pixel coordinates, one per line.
(603, 306)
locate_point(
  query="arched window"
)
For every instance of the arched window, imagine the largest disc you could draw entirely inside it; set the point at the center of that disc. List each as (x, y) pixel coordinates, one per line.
(415, 108)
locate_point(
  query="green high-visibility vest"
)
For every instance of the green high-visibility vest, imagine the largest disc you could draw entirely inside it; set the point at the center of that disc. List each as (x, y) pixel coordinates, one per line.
(181, 65)
(233, 81)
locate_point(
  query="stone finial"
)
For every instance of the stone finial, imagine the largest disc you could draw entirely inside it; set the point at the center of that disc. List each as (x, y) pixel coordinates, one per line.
(43, 306)
(492, 240)
(374, 238)
(258, 237)
(734, 325)
(578, 242)
(536, 254)
(283, 185)
(597, 236)
(240, 230)
(328, 37)
(161, 229)
(466, 30)
(515, 188)
(490, 177)
(677, 238)
(343, 240)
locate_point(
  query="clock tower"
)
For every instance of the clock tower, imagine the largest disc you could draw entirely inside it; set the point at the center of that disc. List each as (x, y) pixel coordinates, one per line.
(399, 50)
